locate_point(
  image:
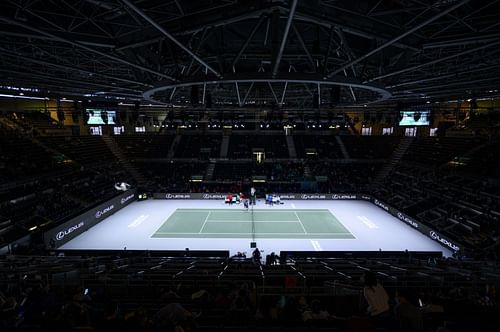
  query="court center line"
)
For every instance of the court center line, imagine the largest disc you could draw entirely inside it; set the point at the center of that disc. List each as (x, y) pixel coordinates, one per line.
(205, 222)
(303, 228)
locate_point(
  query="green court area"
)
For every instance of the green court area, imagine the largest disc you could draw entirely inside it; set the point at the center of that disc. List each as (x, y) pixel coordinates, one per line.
(264, 223)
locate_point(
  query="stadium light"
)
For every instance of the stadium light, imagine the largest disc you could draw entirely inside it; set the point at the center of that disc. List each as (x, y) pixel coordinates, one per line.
(23, 97)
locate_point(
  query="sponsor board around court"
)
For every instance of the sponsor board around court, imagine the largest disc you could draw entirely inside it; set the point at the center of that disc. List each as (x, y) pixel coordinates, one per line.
(444, 241)
(61, 234)
(285, 196)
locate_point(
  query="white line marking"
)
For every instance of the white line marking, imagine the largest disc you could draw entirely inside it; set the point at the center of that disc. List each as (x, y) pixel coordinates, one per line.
(204, 223)
(276, 233)
(367, 222)
(300, 222)
(137, 222)
(316, 245)
(249, 221)
(278, 210)
(292, 205)
(345, 226)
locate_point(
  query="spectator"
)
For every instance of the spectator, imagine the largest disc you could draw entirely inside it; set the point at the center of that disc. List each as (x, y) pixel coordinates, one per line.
(173, 315)
(406, 312)
(375, 295)
(256, 256)
(315, 313)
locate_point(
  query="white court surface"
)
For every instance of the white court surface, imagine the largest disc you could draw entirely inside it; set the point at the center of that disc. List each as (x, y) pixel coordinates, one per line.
(372, 227)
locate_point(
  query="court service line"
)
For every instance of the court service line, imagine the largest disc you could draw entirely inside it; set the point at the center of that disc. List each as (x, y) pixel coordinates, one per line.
(205, 222)
(250, 221)
(303, 228)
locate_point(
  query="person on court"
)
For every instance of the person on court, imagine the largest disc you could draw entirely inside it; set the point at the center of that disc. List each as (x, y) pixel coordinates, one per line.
(252, 196)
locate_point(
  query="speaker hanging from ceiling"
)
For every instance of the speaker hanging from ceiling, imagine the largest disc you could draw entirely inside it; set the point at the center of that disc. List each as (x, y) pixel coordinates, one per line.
(335, 94)
(194, 95)
(208, 100)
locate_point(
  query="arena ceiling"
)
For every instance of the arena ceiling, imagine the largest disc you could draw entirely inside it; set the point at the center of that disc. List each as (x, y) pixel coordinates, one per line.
(244, 53)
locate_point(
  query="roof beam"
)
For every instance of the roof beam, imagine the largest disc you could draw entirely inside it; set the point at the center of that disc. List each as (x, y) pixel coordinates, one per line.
(397, 72)
(303, 44)
(285, 37)
(79, 45)
(70, 68)
(139, 44)
(92, 41)
(169, 36)
(247, 41)
(401, 36)
(452, 75)
(51, 78)
(316, 19)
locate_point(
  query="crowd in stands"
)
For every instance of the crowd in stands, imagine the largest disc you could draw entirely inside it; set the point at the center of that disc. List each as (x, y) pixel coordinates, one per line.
(139, 292)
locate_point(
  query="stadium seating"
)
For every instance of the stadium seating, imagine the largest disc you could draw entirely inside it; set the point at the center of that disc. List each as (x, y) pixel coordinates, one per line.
(145, 146)
(439, 150)
(193, 146)
(240, 146)
(370, 147)
(211, 288)
(324, 146)
(441, 182)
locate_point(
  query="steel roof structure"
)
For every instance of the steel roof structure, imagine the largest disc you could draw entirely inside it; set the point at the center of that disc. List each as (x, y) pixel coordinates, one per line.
(244, 53)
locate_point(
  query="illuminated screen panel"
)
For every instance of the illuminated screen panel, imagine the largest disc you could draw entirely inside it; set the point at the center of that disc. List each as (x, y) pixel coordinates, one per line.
(95, 116)
(415, 118)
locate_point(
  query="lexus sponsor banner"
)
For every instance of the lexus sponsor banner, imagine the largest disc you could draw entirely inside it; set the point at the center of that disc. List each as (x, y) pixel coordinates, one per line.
(76, 226)
(452, 245)
(285, 196)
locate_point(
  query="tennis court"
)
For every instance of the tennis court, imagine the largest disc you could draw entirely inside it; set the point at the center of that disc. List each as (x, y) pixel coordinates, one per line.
(253, 223)
(296, 225)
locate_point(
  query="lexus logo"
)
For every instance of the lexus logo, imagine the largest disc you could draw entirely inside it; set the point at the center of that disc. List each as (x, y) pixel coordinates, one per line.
(62, 234)
(447, 243)
(99, 213)
(125, 199)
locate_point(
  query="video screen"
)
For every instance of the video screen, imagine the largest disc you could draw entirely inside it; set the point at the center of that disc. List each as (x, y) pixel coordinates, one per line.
(415, 118)
(95, 116)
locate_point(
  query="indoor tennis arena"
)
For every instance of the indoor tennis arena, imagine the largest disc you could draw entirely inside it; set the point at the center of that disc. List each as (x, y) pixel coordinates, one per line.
(249, 165)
